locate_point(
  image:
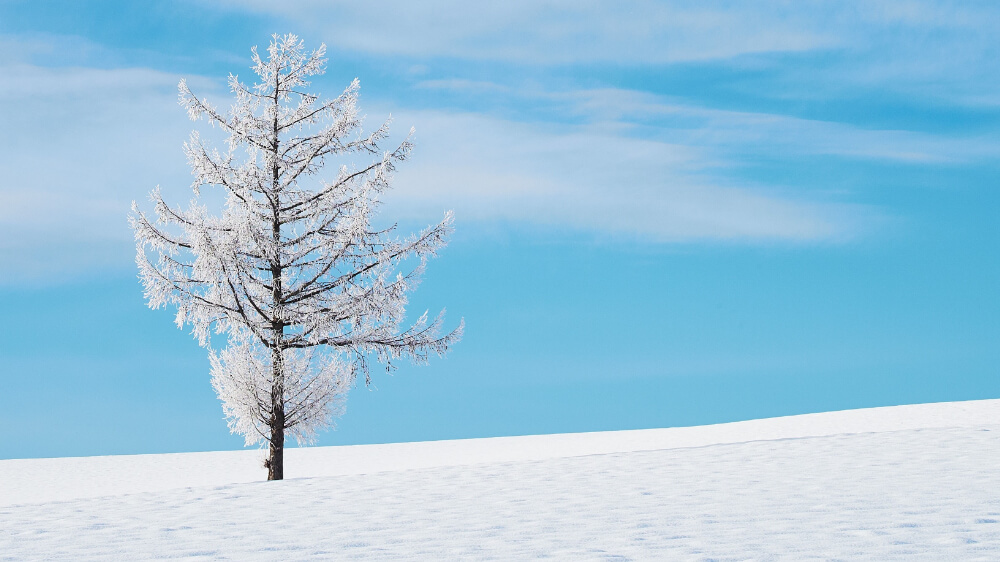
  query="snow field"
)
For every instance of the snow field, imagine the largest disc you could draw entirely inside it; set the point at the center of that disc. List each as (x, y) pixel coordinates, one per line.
(923, 483)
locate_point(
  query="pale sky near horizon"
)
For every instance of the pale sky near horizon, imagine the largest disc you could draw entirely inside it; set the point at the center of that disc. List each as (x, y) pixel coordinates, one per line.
(667, 213)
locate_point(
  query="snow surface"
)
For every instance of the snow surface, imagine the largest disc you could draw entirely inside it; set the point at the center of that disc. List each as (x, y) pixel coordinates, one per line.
(908, 482)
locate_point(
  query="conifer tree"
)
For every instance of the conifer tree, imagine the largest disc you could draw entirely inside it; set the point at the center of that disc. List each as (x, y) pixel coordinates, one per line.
(305, 290)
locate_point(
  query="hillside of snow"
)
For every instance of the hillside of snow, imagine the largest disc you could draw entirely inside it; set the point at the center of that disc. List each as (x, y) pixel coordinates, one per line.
(913, 482)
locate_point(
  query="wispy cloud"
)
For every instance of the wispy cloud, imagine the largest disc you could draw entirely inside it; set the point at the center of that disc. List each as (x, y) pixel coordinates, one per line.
(934, 48)
(608, 160)
(92, 140)
(84, 143)
(552, 31)
(636, 164)
(728, 133)
(591, 179)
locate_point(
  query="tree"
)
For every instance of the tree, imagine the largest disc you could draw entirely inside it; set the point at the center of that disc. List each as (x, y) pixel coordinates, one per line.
(293, 273)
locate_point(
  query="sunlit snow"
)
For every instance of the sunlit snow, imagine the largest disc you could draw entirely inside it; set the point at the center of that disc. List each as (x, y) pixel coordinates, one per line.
(914, 482)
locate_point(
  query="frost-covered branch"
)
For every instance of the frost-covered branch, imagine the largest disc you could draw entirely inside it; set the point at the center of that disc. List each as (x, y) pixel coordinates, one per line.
(303, 288)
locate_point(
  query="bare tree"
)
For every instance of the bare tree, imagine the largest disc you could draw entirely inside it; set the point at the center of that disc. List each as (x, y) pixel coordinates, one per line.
(304, 287)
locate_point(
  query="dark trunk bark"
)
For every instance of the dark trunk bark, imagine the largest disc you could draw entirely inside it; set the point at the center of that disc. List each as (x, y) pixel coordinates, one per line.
(276, 450)
(276, 453)
(276, 446)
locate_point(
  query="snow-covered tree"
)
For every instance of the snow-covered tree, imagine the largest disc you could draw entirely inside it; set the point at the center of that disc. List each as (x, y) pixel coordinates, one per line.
(292, 272)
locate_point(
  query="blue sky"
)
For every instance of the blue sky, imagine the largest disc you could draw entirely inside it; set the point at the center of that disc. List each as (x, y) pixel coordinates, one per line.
(667, 213)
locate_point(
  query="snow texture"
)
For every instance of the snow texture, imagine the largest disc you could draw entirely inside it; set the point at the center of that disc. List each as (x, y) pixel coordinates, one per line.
(913, 482)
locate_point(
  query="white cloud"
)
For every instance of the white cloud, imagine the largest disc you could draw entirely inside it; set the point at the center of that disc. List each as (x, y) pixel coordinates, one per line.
(725, 132)
(83, 143)
(590, 179)
(640, 32)
(555, 31)
(943, 51)
(87, 141)
(640, 165)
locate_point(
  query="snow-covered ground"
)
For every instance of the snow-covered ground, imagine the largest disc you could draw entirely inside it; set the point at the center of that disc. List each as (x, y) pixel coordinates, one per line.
(908, 482)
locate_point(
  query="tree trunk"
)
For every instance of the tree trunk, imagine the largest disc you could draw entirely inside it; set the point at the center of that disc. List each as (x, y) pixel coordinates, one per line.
(276, 458)
(276, 450)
